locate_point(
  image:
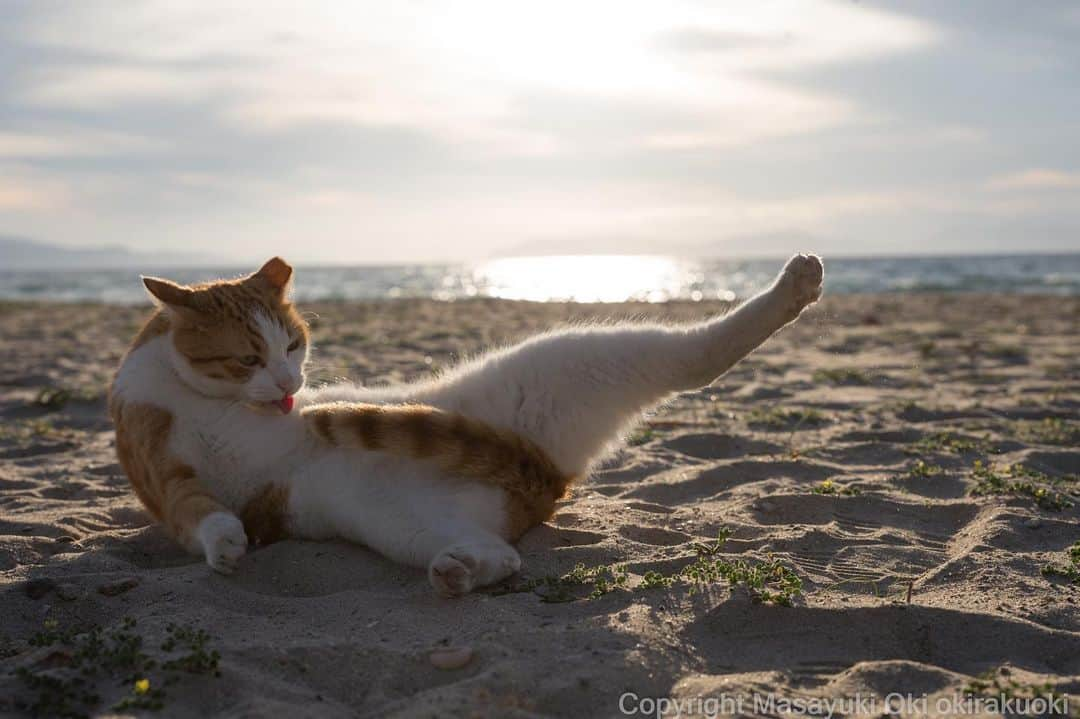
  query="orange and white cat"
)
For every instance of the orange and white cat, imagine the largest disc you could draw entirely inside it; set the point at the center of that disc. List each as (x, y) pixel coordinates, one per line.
(442, 474)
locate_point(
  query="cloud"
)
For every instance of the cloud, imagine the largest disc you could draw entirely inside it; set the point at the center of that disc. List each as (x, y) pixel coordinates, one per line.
(15, 198)
(24, 191)
(457, 70)
(796, 35)
(1036, 179)
(61, 143)
(104, 86)
(378, 130)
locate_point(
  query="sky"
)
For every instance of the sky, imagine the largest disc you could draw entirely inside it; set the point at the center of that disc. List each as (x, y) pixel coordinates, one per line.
(421, 131)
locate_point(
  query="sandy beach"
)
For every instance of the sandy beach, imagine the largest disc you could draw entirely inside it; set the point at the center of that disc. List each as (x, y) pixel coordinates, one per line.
(913, 459)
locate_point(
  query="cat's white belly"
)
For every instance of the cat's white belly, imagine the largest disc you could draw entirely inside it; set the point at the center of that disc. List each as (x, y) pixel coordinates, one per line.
(351, 493)
(362, 496)
(236, 452)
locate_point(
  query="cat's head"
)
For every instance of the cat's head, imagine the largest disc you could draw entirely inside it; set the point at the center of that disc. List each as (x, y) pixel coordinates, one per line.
(237, 339)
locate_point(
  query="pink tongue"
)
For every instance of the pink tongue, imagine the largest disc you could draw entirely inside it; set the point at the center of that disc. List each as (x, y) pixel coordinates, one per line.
(285, 404)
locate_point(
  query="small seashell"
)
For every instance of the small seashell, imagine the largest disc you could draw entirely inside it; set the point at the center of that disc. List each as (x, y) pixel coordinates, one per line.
(451, 657)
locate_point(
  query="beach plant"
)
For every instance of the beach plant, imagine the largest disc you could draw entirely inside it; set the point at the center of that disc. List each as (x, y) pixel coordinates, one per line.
(653, 580)
(591, 582)
(1050, 430)
(603, 580)
(63, 682)
(641, 435)
(21, 430)
(769, 581)
(949, 442)
(921, 469)
(1022, 481)
(1069, 571)
(830, 487)
(710, 549)
(52, 398)
(194, 657)
(142, 696)
(1000, 683)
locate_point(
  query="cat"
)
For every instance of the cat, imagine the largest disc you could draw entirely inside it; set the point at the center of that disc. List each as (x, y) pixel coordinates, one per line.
(443, 474)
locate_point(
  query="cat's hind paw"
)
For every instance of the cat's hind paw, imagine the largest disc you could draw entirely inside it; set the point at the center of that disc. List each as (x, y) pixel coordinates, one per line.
(223, 541)
(452, 576)
(460, 569)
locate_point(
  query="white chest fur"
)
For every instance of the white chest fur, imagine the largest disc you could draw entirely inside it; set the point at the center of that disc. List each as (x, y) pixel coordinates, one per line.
(234, 450)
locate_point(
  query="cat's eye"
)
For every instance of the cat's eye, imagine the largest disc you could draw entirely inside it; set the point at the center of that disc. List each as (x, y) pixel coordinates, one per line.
(249, 360)
(295, 345)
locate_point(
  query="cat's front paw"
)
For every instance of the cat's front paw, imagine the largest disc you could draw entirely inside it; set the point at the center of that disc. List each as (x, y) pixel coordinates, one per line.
(223, 541)
(799, 283)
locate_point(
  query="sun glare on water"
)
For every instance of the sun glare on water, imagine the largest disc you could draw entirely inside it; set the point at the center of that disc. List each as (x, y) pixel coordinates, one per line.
(586, 278)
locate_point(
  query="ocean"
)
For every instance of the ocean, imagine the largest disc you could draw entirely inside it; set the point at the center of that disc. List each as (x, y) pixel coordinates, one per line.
(586, 278)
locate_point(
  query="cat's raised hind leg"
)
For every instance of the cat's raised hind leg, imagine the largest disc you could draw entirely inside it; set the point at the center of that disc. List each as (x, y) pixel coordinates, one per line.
(572, 392)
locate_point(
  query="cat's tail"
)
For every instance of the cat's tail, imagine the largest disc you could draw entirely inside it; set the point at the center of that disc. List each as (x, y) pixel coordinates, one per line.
(458, 445)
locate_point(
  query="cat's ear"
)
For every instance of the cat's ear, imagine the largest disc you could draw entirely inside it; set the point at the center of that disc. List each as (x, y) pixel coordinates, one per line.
(277, 274)
(169, 293)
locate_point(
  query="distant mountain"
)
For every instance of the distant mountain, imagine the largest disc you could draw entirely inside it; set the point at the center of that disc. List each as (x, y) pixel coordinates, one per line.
(20, 253)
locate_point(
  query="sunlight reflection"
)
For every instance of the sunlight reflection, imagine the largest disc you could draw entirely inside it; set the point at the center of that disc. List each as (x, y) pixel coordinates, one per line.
(587, 278)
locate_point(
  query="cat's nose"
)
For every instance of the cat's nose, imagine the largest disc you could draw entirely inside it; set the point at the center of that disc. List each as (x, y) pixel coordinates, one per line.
(284, 386)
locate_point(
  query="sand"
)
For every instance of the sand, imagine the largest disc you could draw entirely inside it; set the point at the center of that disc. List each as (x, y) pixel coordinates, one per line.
(844, 449)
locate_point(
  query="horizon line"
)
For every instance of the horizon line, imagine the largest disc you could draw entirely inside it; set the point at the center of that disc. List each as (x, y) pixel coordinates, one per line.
(232, 263)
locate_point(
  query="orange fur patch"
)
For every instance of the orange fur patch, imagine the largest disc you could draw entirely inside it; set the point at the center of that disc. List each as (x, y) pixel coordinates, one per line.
(213, 322)
(521, 516)
(458, 445)
(264, 516)
(167, 487)
(157, 325)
